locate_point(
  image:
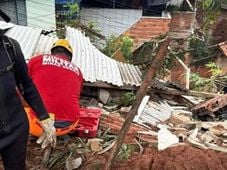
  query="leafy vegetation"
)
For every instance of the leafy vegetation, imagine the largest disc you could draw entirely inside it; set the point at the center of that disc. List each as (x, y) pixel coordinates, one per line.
(212, 10)
(150, 49)
(126, 47)
(126, 151)
(198, 48)
(170, 61)
(122, 43)
(71, 18)
(74, 9)
(208, 84)
(127, 99)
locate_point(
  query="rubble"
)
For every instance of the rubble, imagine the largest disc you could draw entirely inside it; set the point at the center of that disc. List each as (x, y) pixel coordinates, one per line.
(159, 119)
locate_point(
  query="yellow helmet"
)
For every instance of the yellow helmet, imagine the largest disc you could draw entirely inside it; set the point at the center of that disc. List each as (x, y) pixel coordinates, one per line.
(63, 43)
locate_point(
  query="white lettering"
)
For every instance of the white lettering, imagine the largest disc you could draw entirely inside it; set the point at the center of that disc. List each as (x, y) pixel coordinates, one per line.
(59, 62)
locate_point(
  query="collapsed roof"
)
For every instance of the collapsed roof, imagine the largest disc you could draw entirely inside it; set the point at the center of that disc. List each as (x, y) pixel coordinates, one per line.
(95, 66)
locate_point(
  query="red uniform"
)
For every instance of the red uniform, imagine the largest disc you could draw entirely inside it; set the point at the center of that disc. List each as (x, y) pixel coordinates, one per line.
(59, 83)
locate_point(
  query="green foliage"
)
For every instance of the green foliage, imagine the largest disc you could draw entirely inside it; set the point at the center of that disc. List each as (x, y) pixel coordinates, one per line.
(150, 49)
(170, 61)
(73, 8)
(91, 25)
(127, 99)
(211, 9)
(90, 30)
(206, 84)
(123, 43)
(126, 47)
(112, 45)
(70, 19)
(126, 151)
(214, 69)
(198, 48)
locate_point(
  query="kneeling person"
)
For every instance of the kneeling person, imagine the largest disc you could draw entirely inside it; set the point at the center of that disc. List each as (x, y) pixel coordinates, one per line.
(59, 82)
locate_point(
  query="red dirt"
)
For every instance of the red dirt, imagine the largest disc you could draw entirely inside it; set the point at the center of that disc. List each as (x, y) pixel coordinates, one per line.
(176, 158)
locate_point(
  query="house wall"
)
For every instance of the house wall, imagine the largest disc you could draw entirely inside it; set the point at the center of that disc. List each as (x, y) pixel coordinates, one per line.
(110, 21)
(16, 10)
(181, 24)
(222, 62)
(220, 31)
(146, 28)
(41, 14)
(177, 73)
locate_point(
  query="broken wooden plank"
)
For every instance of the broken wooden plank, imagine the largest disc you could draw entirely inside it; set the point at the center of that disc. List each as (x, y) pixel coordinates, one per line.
(204, 94)
(107, 148)
(215, 147)
(156, 63)
(141, 108)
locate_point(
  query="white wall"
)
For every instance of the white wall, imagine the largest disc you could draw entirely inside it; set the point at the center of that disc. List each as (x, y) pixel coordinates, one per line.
(110, 21)
(176, 2)
(41, 14)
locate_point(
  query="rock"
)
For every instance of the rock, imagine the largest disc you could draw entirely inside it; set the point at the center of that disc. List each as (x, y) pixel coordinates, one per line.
(104, 96)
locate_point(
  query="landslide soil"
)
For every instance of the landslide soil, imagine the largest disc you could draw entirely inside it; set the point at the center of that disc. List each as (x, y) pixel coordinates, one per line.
(176, 158)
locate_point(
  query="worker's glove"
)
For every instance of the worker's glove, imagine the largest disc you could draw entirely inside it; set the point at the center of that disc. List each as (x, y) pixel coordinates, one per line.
(49, 133)
(216, 103)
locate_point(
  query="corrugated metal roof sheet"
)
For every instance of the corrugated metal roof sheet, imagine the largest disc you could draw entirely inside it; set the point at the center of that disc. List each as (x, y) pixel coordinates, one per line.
(154, 113)
(130, 74)
(44, 44)
(27, 37)
(98, 67)
(223, 47)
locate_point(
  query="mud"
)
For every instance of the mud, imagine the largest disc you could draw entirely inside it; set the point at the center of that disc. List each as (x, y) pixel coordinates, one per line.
(176, 158)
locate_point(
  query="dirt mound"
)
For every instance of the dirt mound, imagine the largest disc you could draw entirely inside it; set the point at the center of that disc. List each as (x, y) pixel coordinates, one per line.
(180, 157)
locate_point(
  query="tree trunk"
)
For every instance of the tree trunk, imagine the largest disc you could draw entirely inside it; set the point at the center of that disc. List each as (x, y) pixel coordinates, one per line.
(157, 62)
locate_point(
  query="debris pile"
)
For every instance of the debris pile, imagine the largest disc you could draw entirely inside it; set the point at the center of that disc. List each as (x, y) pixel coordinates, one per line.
(165, 134)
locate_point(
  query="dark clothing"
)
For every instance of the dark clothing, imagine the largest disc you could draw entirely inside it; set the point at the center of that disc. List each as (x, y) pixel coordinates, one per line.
(14, 154)
(13, 120)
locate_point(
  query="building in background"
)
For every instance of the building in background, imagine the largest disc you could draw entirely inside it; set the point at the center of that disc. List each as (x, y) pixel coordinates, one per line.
(16, 10)
(41, 14)
(114, 17)
(32, 13)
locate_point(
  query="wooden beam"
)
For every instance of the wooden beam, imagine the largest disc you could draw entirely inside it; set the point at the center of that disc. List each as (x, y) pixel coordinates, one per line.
(106, 85)
(204, 94)
(155, 65)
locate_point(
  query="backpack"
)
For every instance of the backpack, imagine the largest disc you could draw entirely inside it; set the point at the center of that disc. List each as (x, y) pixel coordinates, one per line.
(11, 53)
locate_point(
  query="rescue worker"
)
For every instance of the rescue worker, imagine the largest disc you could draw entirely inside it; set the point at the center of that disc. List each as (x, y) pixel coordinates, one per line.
(13, 120)
(59, 82)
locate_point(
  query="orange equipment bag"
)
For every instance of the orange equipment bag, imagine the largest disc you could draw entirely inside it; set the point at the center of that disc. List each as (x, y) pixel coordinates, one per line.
(35, 128)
